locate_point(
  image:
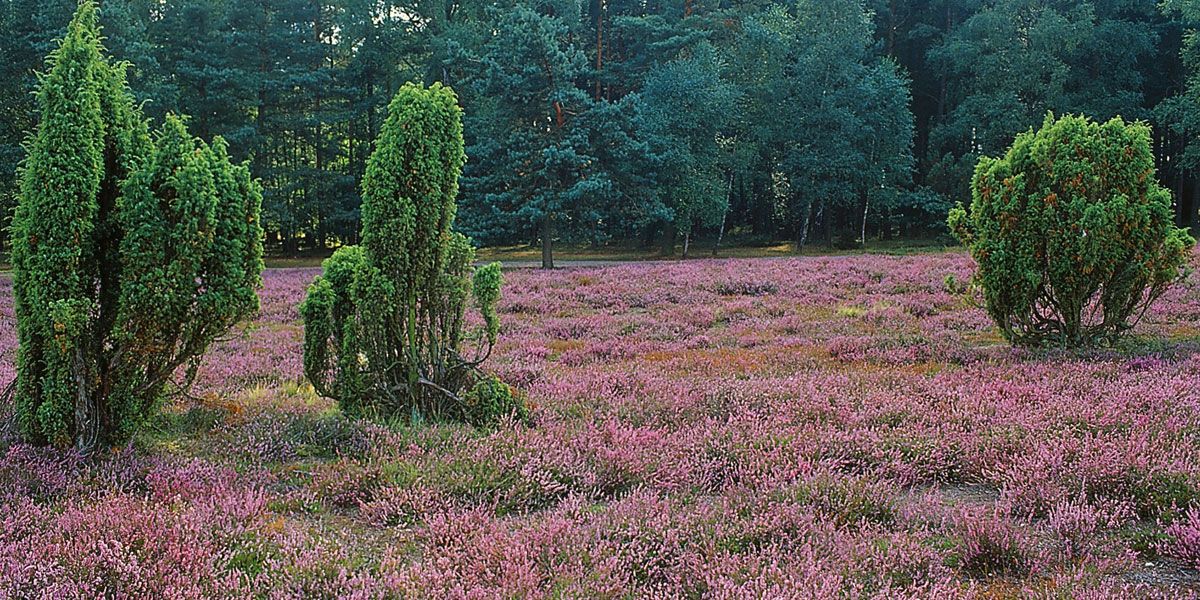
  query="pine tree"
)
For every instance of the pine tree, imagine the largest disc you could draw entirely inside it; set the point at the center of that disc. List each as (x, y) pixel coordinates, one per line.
(125, 269)
(1010, 61)
(535, 171)
(29, 26)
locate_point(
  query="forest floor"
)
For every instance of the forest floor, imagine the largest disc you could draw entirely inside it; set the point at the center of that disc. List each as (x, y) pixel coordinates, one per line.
(813, 427)
(566, 255)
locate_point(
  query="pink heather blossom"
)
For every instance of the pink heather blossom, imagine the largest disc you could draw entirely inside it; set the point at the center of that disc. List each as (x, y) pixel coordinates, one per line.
(1184, 536)
(840, 427)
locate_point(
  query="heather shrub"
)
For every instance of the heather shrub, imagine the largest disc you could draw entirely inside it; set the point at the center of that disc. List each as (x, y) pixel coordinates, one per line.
(1183, 538)
(951, 285)
(326, 436)
(131, 253)
(989, 545)
(384, 325)
(120, 546)
(169, 425)
(345, 484)
(1073, 235)
(38, 474)
(1075, 524)
(1162, 495)
(278, 438)
(392, 506)
(1145, 539)
(474, 481)
(350, 483)
(895, 562)
(848, 501)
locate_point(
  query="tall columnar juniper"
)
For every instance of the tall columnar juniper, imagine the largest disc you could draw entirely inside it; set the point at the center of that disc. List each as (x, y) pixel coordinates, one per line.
(385, 323)
(132, 252)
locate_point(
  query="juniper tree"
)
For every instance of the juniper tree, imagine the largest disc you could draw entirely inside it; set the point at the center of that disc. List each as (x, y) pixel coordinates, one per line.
(384, 324)
(131, 252)
(1072, 232)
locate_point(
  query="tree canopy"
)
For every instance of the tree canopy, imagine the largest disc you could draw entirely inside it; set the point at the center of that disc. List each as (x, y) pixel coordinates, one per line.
(821, 121)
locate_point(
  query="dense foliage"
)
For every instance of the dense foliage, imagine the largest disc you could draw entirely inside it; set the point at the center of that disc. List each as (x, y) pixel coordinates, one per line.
(384, 324)
(819, 121)
(131, 254)
(1072, 232)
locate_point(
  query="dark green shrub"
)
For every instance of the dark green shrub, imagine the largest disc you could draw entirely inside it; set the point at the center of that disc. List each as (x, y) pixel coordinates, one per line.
(746, 288)
(492, 400)
(1073, 235)
(384, 324)
(131, 253)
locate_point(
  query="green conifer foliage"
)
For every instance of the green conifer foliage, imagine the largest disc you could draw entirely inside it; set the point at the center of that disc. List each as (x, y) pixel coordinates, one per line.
(1072, 232)
(384, 324)
(130, 254)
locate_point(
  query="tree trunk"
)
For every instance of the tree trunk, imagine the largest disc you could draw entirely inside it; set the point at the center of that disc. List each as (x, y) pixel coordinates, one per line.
(827, 218)
(720, 234)
(87, 413)
(668, 245)
(891, 33)
(599, 45)
(804, 228)
(1191, 208)
(866, 206)
(548, 241)
(687, 242)
(291, 243)
(724, 216)
(1180, 218)
(648, 236)
(943, 83)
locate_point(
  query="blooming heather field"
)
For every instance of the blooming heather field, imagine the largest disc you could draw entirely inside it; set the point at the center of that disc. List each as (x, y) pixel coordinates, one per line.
(793, 428)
